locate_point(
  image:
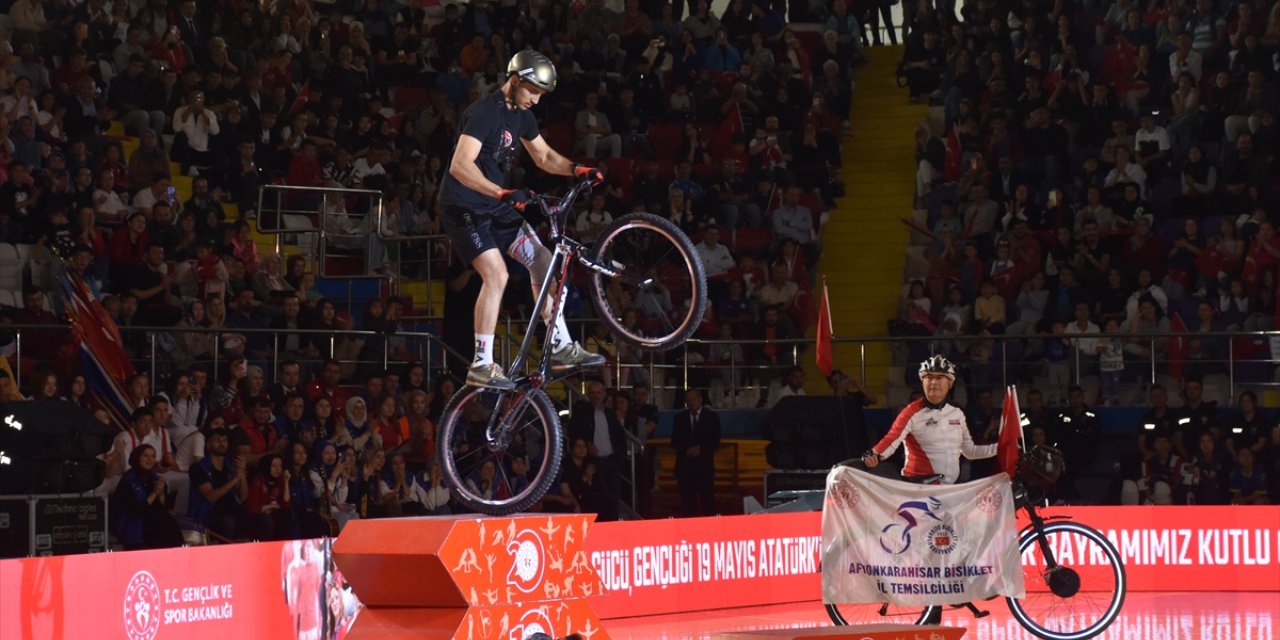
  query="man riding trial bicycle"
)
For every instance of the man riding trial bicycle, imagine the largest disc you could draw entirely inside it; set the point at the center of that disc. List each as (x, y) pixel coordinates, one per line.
(481, 217)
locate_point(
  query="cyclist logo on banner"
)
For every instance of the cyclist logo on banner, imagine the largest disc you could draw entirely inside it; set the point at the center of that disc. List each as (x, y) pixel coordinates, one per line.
(895, 538)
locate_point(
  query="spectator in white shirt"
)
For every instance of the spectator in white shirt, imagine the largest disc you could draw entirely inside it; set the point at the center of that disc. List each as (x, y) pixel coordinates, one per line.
(198, 123)
(107, 205)
(1126, 172)
(147, 198)
(794, 386)
(1083, 326)
(27, 17)
(1184, 58)
(715, 256)
(371, 165)
(1151, 145)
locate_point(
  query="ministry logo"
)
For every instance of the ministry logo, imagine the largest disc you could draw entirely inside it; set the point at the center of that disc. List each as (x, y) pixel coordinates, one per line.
(142, 607)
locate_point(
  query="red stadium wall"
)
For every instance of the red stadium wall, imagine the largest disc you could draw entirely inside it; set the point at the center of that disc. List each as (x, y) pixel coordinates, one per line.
(650, 567)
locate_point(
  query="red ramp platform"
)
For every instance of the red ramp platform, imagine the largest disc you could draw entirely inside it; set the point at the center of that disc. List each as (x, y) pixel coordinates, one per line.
(468, 577)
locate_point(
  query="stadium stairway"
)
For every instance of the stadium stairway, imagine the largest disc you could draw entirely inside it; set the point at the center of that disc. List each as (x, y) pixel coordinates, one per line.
(864, 242)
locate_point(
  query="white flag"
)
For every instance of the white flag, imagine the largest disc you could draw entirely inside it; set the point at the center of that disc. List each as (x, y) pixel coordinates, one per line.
(909, 544)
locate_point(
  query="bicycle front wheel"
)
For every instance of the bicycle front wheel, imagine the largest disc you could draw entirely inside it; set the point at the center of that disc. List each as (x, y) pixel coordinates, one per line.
(660, 277)
(877, 613)
(1077, 595)
(499, 451)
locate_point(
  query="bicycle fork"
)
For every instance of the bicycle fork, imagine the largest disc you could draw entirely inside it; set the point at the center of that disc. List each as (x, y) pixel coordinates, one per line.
(497, 433)
(1063, 582)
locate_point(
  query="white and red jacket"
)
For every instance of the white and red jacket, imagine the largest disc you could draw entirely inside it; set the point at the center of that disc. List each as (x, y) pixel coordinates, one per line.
(935, 436)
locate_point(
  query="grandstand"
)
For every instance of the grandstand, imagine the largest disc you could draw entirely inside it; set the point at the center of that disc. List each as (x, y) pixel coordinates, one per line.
(1051, 194)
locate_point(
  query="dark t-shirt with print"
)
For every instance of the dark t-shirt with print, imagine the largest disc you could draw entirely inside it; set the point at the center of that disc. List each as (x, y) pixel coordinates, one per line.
(498, 129)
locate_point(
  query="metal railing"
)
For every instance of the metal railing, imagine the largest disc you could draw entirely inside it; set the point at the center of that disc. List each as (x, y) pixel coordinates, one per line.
(1212, 355)
(312, 204)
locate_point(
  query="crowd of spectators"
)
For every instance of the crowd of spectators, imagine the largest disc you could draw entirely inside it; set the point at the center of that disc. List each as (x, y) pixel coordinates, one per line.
(1095, 171)
(233, 458)
(1098, 172)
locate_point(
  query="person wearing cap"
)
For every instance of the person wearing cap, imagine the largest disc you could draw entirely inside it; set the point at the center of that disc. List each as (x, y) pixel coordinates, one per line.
(481, 212)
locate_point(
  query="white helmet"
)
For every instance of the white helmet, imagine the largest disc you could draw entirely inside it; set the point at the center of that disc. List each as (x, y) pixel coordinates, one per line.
(937, 364)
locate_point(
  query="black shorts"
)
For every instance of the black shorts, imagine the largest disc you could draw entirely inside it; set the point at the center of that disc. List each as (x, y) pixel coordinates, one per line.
(474, 232)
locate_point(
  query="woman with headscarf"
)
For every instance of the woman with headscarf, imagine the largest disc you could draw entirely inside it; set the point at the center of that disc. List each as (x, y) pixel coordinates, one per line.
(421, 449)
(149, 161)
(270, 499)
(142, 520)
(363, 436)
(329, 480)
(192, 341)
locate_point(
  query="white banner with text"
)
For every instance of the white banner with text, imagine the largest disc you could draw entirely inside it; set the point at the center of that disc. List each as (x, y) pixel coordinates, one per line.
(909, 544)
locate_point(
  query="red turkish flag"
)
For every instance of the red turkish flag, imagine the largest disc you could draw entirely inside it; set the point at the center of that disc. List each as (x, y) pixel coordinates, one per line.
(1008, 451)
(825, 358)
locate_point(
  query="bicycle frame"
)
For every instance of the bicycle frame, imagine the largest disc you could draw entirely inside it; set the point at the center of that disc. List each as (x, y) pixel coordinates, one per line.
(1022, 500)
(566, 252)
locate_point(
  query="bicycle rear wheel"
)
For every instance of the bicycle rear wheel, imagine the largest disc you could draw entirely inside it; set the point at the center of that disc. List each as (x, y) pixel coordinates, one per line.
(1081, 594)
(877, 613)
(660, 275)
(484, 439)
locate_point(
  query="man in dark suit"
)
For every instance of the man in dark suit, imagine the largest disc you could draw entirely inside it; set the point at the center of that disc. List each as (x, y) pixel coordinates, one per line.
(642, 422)
(695, 436)
(596, 423)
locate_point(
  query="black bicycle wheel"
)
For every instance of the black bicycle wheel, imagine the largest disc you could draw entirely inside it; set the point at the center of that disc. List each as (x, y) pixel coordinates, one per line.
(1081, 594)
(877, 613)
(660, 276)
(500, 450)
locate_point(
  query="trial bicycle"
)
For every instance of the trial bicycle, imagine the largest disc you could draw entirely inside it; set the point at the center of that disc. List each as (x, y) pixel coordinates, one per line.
(1075, 579)
(501, 451)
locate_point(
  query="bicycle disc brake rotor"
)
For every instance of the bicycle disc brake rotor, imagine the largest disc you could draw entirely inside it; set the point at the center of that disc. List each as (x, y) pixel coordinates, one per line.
(1064, 582)
(498, 431)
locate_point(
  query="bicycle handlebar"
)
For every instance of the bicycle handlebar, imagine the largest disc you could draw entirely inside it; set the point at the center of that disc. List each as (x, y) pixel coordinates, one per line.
(545, 201)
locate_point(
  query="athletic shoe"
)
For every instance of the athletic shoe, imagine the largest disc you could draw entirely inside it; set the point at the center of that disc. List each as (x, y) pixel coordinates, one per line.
(489, 376)
(573, 356)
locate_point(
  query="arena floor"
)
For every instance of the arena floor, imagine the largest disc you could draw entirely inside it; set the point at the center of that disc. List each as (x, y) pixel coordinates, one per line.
(1146, 616)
